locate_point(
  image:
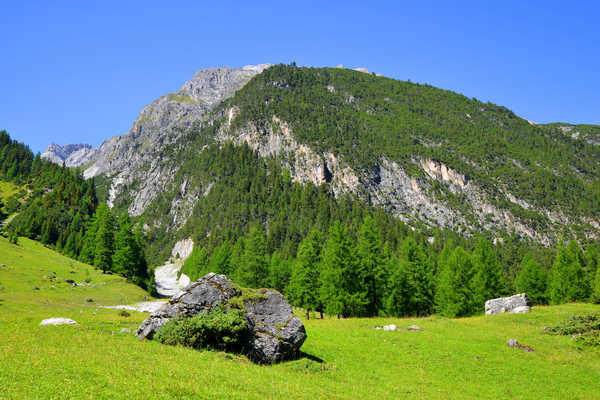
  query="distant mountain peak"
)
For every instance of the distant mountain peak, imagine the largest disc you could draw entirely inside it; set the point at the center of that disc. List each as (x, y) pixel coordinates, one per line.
(71, 154)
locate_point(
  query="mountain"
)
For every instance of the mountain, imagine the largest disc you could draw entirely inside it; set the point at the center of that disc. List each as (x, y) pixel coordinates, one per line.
(73, 155)
(426, 156)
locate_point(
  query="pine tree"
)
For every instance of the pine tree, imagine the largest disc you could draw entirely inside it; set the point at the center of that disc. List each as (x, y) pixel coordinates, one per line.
(220, 259)
(398, 293)
(453, 296)
(595, 297)
(487, 282)
(370, 264)
(338, 277)
(567, 279)
(304, 283)
(253, 268)
(417, 268)
(88, 248)
(105, 237)
(126, 254)
(196, 265)
(532, 280)
(280, 272)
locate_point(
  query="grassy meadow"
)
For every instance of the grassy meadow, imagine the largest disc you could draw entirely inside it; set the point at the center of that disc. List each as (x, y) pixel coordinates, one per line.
(342, 359)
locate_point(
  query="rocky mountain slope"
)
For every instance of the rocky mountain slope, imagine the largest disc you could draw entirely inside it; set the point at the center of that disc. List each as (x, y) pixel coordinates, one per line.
(73, 155)
(420, 153)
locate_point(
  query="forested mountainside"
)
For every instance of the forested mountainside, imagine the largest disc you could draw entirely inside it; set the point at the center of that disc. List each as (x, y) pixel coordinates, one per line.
(424, 155)
(58, 207)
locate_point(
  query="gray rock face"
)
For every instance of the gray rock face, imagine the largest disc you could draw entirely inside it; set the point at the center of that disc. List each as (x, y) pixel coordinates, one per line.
(134, 158)
(273, 331)
(72, 155)
(514, 304)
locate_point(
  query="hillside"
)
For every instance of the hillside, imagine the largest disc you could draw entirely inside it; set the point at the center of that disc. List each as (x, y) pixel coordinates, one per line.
(428, 157)
(342, 359)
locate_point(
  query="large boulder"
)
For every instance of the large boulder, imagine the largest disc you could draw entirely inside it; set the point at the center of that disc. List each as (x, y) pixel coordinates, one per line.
(273, 331)
(518, 303)
(200, 296)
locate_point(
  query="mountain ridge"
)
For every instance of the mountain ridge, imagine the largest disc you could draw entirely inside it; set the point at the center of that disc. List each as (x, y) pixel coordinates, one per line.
(421, 153)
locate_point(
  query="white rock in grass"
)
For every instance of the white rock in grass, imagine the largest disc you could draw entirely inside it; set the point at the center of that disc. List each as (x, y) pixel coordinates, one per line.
(58, 321)
(390, 327)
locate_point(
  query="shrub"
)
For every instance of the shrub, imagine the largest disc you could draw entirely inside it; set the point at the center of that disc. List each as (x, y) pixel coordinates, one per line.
(585, 329)
(124, 313)
(221, 328)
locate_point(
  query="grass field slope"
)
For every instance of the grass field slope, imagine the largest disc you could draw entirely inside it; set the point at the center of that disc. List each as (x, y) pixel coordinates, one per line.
(342, 359)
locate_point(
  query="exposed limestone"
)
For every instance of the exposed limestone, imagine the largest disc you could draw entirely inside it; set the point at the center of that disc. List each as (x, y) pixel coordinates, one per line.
(514, 304)
(58, 321)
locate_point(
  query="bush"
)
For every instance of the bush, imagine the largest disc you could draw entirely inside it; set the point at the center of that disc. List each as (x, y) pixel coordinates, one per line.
(124, 313)
(221, 328)
(585, 329)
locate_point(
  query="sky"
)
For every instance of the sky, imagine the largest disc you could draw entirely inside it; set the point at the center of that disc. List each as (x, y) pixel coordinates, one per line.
(81, 71)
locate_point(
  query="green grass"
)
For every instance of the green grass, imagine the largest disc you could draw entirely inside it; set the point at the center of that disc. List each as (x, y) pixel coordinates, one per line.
(345, 359)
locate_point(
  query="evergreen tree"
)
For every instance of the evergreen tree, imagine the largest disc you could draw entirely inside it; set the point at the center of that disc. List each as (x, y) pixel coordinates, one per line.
(398, 293)
(197, 264)
(105, 237)
(487, 282)
(338, 279)
(304, 283)
(567, 280)
(220, 259)
(371, 273)
(126, 254)
(419, 278)
(453, 296)
(595, 297)
(280, 271)
(532, 280)
(253, 269)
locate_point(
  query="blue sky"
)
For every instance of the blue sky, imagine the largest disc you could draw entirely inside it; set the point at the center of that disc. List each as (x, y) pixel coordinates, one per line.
(81, 71)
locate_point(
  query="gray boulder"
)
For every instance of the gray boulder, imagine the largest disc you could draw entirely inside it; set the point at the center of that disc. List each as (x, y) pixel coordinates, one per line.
(200, 296)
(273, 331)
(518, 303)
(58, 321)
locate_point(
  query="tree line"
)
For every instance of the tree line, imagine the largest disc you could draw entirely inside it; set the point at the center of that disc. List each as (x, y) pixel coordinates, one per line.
(338, 275)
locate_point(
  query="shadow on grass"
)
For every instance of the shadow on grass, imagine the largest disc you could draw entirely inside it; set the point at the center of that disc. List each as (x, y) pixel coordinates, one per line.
(301, 355)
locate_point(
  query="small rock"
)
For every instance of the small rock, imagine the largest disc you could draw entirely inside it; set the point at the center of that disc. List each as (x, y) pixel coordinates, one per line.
(520, 310)
(89, 300)
(69, 281)
(513, 343)
(71, 272)
(390, 327)
(378, 328)
(576, 335)
(36, 288)
(125, 330)
(3, 265)
(58, 321)
(414, 328)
